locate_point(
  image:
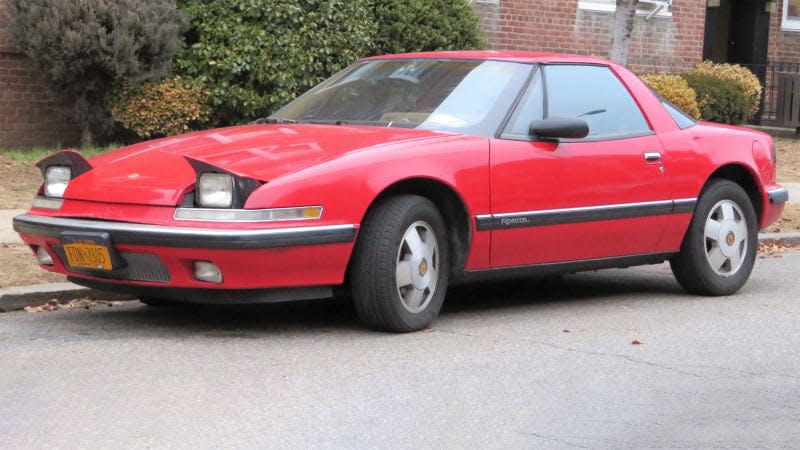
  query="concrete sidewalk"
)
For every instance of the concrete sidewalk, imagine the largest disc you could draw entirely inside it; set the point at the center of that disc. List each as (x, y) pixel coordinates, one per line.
(794, 192)
(7, 233)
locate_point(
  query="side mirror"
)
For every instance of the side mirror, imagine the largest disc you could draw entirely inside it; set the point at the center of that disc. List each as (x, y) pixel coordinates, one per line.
(559, 128)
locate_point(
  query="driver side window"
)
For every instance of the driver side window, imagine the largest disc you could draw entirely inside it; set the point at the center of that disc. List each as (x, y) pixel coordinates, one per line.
(596, 95)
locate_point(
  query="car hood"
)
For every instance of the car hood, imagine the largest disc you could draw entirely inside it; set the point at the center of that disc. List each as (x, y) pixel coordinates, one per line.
(157, 172)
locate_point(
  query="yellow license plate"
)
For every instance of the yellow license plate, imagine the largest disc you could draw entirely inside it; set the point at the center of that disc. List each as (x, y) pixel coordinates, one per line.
(88, 256)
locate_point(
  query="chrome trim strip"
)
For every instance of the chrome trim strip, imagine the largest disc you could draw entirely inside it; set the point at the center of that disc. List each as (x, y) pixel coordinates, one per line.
(684, 205)
(583, 214)
(778, 195)
(187, 237)
(47, 203)
(238, 215)
(483, 222)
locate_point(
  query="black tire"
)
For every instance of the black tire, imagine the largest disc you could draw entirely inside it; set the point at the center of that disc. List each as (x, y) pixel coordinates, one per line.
(383, 241)
(693, 266)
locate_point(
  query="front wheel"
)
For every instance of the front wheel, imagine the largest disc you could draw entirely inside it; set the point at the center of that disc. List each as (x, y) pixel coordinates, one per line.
(719, 249)
(400, 269)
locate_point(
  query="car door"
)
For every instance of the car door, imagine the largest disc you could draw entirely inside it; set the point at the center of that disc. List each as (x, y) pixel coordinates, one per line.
(602, 196)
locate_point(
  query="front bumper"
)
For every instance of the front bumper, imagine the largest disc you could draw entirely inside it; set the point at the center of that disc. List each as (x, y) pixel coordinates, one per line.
(161, 256)
(159, 235)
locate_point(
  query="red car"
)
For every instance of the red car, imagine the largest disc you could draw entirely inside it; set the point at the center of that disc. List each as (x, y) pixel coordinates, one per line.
(405, 173)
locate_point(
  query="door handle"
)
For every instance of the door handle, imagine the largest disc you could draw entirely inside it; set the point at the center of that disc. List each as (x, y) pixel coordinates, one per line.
(652, 157)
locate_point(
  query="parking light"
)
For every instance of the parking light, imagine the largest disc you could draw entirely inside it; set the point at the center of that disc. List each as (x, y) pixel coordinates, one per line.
(43, 257)
(207, 271)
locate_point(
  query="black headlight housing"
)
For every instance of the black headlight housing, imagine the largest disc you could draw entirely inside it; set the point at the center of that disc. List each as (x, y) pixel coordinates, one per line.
(241, 187)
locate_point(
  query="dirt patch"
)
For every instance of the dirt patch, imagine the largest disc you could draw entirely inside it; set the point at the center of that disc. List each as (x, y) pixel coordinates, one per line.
(788, 160)
(19, 182)
(18, 267)
(788, 222)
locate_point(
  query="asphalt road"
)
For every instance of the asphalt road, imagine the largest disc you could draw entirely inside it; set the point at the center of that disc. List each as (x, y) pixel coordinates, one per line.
(498, 370)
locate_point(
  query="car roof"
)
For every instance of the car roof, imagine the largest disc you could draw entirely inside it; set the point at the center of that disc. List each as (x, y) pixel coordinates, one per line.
(526, 57)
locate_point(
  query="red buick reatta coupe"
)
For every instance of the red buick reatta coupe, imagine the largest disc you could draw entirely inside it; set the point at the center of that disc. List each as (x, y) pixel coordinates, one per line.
(404, 173)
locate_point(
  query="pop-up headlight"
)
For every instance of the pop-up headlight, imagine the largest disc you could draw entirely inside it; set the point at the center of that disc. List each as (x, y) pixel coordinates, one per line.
(215, 190)
(58, 170)
(56, 179)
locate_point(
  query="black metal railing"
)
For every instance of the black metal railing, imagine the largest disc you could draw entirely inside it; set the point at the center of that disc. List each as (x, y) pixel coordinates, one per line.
(768, 75)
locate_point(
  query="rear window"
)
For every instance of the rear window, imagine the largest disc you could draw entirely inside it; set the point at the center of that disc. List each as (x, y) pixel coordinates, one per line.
(681, 118)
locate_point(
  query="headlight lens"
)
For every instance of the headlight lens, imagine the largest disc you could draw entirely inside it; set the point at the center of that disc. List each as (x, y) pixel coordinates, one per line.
(56, 179)
(215, 190)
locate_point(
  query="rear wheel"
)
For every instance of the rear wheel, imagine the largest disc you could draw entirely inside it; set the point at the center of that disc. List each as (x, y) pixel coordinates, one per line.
(719, 249)
(401, 264)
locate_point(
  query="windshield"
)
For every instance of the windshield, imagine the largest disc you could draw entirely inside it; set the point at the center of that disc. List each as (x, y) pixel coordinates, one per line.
(463, 96)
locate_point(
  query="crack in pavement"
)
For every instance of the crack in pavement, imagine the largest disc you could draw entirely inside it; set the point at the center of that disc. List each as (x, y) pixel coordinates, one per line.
(724, 370)
(585, 352)
(551, 439)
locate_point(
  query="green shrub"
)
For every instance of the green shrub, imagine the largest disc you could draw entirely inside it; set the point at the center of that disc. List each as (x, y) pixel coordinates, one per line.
(675, 89)
(723, 101)
(161, 108)
(85, 49)
(256, 55)
(426, 25)
(737, 74)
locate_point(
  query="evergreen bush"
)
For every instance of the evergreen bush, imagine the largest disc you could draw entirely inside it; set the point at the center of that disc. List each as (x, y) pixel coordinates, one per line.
(86, 49)
(737, 74)
(256, 55)
(719, 100)
(426, 25)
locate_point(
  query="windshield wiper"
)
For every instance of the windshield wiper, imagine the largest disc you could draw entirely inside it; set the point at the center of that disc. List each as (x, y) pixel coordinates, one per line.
(593, 112)
(272, 120)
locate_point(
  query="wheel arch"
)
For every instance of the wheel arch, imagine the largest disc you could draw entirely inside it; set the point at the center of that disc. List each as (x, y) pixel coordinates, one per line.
(448, 202)
(742, 176)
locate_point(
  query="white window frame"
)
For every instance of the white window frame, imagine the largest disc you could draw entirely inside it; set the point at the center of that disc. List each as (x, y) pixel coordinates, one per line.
(611, 6)
(788, 24)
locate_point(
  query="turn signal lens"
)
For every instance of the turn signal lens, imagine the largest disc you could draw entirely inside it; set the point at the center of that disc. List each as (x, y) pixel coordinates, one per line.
(311, 212)
(56, 179)
(215, 190)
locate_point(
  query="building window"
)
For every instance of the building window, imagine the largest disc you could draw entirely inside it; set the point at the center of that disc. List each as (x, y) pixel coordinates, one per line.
(654, 8)
(791, 15)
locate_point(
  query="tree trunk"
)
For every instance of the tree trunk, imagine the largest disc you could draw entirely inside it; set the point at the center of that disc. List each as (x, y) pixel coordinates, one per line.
(86, 135)
(621, 30)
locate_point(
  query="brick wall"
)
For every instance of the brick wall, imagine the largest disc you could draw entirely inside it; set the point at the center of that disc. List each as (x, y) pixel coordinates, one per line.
(29, 116)
(560, 26)
(784, 46)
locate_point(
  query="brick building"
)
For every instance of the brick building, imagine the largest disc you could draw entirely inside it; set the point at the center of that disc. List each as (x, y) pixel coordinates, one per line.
(762, 34)
(29, 116)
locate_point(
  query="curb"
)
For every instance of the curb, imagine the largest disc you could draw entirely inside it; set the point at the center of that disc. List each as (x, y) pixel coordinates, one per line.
(785, 238)
(19, 297)
(15, 298)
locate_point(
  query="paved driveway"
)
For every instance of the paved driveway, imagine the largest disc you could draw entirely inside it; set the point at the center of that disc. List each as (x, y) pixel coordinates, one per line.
(498, 370)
